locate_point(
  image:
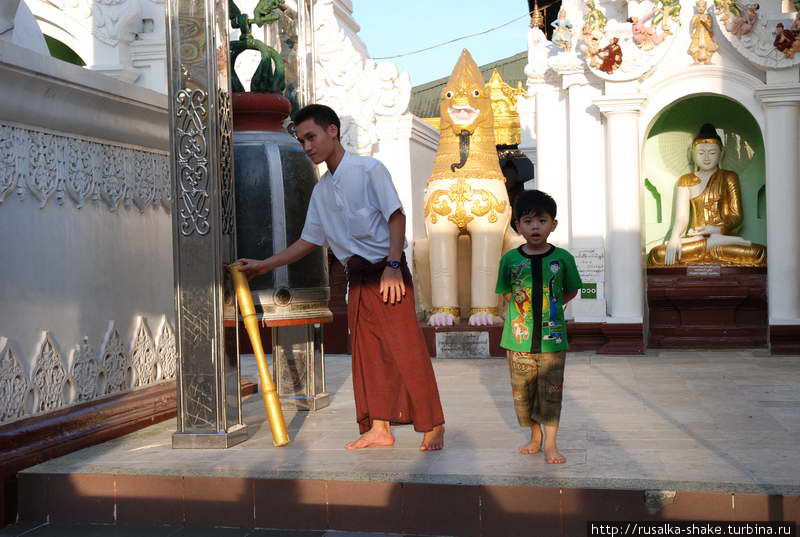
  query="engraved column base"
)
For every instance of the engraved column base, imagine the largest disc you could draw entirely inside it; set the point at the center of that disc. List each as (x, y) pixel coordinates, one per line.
(299, 365)
(308, 403)
(219, 440)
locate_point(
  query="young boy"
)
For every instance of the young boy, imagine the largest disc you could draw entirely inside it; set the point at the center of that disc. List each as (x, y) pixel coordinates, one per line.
(537, 280)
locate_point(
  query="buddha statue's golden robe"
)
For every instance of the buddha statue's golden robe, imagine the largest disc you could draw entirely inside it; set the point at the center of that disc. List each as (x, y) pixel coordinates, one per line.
(720, 204)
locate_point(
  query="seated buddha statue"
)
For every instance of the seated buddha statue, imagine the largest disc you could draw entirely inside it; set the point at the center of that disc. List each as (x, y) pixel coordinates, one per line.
(708, 214)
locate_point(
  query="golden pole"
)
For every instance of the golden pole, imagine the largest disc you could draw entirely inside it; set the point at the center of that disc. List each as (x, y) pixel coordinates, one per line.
(272, 405)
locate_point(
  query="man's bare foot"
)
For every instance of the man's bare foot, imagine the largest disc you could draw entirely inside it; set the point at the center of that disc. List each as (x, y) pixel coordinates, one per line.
(433, 440)
(376, 437)
(552, 456)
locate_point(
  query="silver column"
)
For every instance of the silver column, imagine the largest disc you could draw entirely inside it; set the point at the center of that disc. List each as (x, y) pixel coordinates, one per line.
(298, 366)
(209, 402)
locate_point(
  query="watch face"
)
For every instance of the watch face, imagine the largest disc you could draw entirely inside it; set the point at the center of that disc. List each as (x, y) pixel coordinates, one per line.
(393, 264)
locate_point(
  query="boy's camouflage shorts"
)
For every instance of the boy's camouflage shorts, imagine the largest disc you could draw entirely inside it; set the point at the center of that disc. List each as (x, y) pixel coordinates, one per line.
(537, 382)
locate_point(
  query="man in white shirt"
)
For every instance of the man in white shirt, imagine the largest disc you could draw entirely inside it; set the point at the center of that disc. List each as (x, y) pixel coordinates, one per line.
(355, 211)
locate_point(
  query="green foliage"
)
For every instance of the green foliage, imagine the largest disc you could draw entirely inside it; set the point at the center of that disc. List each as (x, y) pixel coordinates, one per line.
(656, 196)
(61, 51)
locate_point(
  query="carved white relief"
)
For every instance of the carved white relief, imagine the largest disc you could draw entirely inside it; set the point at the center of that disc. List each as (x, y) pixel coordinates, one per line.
(758, 46)
(355, 86)
(144, 357)
(167, 352)
(636, 62)
(164, 182)
(49, 166)
(144, 189)
(115, 363)
(108, 20)
(115, 184)
(115, 369)
(48, 377)
(85, 371)
(43, 174)
(8, 162)
(14, 385)
(82, 166)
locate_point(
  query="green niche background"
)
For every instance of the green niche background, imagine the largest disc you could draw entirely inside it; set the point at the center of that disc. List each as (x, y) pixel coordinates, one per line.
(666, 157)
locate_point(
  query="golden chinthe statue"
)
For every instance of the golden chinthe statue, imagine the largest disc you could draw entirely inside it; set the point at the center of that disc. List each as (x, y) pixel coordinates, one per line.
(466, 194)
(708, 214)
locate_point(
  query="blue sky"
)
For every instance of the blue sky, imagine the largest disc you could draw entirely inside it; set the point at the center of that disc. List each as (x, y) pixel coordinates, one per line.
(390, 27)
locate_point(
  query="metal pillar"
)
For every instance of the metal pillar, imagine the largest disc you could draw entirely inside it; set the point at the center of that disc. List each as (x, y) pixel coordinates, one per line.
(298, 366)
(209, 401)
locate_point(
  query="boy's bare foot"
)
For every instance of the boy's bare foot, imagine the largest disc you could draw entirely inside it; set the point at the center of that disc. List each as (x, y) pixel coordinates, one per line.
(552, 456)
(535, 445)
(433, 440)
(375, 437)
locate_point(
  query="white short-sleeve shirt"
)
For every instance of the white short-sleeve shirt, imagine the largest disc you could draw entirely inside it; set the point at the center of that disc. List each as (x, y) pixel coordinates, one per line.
(349, 210)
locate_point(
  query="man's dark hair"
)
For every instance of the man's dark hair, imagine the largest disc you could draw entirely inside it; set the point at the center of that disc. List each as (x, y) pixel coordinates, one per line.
(534, 202)
(321, 115)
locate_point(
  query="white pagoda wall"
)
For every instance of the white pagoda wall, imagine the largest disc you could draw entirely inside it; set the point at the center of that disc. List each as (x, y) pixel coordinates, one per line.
(86, 280)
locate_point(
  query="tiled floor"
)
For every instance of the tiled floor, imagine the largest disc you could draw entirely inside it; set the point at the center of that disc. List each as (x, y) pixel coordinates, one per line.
(721, 421)
(86, 530)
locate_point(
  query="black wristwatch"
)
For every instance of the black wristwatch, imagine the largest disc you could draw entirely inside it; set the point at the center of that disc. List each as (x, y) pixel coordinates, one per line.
(393, 264)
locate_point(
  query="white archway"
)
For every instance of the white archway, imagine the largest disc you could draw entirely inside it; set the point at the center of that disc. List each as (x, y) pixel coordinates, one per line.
(700, 80)
(59, 25)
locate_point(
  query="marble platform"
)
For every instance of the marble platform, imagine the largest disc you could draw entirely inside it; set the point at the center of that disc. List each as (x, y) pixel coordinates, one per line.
(719, 429)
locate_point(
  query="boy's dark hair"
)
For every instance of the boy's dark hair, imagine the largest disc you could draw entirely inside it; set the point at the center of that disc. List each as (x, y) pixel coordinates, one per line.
(534, 202)
(321, 115)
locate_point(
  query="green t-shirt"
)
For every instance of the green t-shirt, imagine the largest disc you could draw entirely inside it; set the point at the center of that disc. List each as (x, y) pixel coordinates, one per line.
(537, 283)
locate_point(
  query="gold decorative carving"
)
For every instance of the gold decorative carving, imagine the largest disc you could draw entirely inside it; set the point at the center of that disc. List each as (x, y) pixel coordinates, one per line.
(455, 311)
(482, 203)
(504, 106)
(489, 310)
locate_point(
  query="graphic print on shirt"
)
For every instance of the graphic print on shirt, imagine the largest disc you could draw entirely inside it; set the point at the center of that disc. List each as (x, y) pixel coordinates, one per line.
(552, 328)
(522, 302)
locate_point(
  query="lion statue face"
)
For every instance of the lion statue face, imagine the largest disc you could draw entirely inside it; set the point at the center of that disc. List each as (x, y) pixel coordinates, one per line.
(465, 101)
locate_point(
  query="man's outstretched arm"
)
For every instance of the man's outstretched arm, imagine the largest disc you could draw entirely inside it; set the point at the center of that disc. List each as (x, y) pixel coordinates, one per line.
(297, 250)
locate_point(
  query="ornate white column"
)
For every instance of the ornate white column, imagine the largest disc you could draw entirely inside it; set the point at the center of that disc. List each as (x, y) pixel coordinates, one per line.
(625, 274)
(586, 187)
(539, 49)
(551, 136)
(782, 105)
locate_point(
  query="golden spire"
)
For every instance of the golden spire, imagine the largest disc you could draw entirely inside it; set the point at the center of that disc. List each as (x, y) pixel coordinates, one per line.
(537, 20)
(504, 106)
